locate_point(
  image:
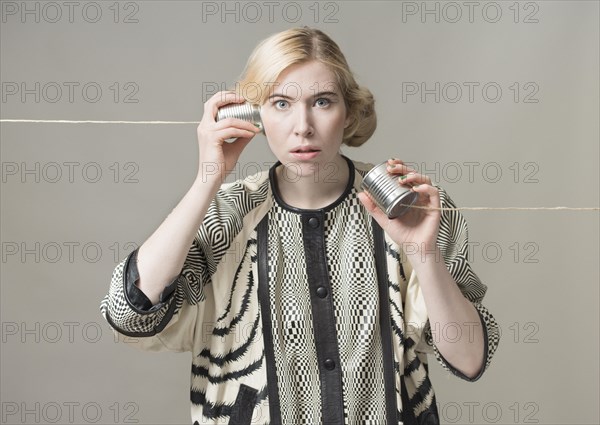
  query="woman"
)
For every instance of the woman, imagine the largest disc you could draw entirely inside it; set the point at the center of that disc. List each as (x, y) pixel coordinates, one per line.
(300, 301)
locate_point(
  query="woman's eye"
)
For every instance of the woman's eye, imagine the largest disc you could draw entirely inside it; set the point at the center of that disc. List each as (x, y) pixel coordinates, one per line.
(281, 104)
(323, 102)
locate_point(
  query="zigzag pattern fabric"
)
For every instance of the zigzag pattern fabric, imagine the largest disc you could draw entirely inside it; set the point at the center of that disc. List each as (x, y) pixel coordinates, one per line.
(212, 309)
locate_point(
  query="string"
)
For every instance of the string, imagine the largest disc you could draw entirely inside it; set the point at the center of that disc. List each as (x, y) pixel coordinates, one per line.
(411, 206)
(506, 208)
(98, 122)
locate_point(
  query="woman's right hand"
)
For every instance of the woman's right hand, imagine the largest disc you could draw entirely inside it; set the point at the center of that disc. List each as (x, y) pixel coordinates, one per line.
(218, 157)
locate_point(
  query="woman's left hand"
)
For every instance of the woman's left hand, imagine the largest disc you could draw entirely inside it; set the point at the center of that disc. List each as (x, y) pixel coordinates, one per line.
(417, 229)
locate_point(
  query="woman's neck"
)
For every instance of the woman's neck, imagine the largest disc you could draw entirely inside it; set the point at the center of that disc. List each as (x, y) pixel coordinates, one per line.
(316, 190)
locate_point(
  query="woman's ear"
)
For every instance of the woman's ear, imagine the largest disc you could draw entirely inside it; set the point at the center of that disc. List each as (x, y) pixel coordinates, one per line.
(347, 122)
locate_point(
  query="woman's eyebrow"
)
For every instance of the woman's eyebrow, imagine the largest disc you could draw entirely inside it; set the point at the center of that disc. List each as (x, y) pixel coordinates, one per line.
(325, 93)
(319, 94)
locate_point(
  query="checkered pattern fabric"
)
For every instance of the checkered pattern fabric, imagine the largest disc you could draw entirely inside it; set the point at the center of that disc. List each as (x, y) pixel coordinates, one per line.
(214, 311)
(351, 266)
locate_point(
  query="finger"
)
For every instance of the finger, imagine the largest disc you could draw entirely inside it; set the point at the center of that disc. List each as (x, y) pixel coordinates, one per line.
(399, 168)
(413, 178)
(395, 161)
(236, 123)
(433, 194)
(232, 132)
(224, 97)
(221, 99)
(236, 147)
(366, 201)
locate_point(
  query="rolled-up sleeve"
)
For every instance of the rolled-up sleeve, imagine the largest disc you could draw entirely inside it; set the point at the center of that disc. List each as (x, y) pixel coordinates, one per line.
(128, 310)
(170, 324)
(167, 325)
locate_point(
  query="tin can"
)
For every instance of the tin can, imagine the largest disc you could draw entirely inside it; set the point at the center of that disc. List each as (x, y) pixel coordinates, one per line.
(244, 111)
(387, 192)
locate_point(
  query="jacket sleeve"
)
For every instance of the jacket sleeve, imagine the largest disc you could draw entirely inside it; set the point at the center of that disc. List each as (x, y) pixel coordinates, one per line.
(167, 325)
(453, 244)
(183, 306)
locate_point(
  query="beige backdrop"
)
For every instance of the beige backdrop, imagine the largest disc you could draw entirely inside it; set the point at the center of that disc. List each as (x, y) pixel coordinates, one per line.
(496, 101)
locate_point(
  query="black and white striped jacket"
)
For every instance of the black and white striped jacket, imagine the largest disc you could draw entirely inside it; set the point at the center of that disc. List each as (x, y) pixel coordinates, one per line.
(299, 316)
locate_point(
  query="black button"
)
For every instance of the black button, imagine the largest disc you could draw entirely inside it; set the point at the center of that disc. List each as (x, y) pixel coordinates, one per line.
(322, 292)
(313, 222)
(329, 364)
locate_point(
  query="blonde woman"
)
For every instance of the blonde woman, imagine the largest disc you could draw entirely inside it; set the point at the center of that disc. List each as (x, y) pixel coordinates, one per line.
(320, 315)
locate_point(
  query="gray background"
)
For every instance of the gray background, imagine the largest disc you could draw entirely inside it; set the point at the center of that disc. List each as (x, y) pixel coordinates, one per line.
(59, 360)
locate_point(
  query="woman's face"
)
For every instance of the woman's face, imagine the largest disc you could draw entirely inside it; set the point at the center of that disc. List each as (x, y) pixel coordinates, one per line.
(304, 119)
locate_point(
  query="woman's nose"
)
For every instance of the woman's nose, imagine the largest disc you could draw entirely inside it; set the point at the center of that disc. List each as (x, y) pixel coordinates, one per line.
(303, 125)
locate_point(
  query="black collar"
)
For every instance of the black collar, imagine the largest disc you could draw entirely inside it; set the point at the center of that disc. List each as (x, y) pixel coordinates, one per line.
(280, 201)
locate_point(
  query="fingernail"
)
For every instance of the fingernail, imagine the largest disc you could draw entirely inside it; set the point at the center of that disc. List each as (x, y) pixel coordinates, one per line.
(402, 178)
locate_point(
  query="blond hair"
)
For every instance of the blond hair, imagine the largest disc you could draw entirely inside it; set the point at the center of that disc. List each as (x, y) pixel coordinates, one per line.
(298, 45)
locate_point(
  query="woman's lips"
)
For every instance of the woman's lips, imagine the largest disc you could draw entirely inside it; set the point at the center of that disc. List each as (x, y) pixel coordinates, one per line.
(305, 155)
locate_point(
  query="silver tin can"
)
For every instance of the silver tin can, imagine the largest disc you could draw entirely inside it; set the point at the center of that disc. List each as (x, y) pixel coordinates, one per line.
(244, 111)
(388, 193)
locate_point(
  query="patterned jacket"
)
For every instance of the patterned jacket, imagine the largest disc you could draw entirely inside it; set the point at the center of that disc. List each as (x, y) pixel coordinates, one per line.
(299, 316)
